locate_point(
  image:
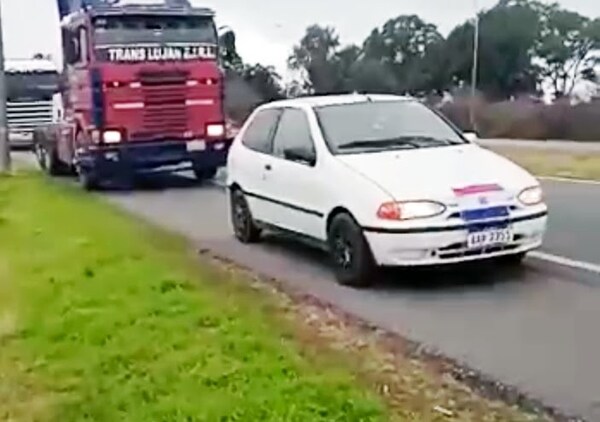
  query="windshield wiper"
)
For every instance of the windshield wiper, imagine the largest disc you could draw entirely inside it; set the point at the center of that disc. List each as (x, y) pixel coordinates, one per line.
(380, 143)
(400, 141)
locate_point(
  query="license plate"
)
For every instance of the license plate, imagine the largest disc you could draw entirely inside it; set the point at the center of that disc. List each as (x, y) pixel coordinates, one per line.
(482, 239)
(196, 146)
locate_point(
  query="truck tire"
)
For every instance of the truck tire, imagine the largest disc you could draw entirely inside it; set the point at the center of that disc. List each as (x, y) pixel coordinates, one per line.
(87, 179)
(49, 162)
(203, 174)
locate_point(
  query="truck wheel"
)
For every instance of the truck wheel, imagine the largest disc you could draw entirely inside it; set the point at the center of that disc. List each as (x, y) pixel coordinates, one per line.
(203, 174)
(49, 162)
(351, 255)
(87, 180)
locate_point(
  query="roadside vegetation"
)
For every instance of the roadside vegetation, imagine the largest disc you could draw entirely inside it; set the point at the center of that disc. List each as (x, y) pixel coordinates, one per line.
(564, 164)
(104, 318)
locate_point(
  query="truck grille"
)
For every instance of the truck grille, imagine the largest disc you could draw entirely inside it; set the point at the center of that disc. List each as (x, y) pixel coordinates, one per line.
(165, 111)
(25, 116)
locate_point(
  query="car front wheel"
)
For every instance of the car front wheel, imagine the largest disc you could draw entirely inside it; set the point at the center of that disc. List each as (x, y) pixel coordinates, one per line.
(352, 258)
(244, 227)
(513, 260)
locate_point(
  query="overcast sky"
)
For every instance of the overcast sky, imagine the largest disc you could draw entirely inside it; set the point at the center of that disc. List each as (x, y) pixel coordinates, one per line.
(266, 29)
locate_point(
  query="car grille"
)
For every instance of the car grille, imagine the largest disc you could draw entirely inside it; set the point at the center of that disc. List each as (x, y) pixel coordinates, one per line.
(460, 250)
(165, 111)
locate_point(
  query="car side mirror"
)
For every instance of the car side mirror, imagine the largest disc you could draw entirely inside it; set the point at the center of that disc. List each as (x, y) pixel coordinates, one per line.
(471, 136)
(302, 155)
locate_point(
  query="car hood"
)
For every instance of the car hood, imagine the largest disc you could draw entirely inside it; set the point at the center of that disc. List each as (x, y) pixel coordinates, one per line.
(433, 173)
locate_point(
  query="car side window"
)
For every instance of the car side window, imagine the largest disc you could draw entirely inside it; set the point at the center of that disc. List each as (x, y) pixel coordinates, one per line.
(259, 134)
(293, 134)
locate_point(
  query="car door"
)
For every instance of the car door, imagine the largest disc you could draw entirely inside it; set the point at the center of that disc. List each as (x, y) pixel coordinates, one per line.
(252, 158)
(297, 199)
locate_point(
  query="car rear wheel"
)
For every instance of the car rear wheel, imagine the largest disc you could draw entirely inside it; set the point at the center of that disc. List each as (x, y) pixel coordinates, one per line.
(244, 227)
(351, 255)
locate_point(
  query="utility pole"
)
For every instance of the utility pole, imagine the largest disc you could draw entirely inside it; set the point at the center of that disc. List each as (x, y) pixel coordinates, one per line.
(4, 145)
(474, 69)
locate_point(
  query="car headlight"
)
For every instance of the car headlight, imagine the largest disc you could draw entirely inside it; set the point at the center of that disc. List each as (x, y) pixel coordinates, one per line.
(410, 210)
(111, 137)
(531, 196)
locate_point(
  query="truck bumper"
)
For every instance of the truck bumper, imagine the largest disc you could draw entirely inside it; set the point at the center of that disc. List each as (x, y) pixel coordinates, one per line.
(20, 139)
(151, 157)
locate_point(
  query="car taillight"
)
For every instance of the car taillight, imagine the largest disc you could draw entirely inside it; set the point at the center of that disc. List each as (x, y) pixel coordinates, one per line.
(410, 210)
(215, 130)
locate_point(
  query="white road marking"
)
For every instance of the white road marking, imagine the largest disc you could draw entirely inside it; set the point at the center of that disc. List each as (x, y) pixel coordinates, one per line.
(566, 262)
(568, 180)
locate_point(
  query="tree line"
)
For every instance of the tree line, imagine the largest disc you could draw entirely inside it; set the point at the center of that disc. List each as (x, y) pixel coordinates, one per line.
(523, 46)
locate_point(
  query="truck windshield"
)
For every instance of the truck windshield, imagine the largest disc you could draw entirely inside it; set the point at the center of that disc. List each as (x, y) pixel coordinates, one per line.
(31, 86)
(132, 29)
(143, 37)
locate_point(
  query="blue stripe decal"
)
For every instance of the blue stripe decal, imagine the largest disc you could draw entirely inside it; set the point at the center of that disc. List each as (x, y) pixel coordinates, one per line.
(472, 218)
(97, 98)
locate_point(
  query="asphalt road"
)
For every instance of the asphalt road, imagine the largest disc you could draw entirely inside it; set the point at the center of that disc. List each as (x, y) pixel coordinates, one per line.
(535, 328)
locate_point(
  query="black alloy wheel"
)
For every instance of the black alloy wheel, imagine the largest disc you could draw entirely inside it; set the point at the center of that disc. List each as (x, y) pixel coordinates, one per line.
(244, 227)
(352, 258)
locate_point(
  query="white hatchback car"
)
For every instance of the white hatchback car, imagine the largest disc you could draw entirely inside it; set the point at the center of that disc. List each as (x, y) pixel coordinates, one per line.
(379, 180)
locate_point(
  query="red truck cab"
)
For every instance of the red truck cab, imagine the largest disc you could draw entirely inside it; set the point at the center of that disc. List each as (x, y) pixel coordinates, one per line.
(143, 91)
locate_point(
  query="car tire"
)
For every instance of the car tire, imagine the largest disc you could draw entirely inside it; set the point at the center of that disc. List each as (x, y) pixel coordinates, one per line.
(244, 226)
(351, 255)
(514, 260)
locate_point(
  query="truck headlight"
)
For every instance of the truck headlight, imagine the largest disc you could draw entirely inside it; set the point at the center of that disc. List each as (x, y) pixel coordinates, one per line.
(215, 130)
(112, 137)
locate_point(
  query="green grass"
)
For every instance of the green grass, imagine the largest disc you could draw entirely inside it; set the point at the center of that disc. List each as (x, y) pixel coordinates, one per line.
(105, 319)
(554, 163)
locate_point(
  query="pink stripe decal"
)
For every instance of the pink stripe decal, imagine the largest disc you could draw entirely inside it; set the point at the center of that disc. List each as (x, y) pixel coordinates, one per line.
(476, 189)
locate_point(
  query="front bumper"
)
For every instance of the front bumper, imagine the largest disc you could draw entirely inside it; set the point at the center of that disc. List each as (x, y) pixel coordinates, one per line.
(20, 139)
(146, 157)
(437, 247)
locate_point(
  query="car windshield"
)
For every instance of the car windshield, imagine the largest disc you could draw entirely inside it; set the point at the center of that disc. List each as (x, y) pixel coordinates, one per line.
(373, 126)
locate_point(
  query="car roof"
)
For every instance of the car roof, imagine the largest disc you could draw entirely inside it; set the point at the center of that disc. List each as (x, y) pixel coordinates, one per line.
(327, 100)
